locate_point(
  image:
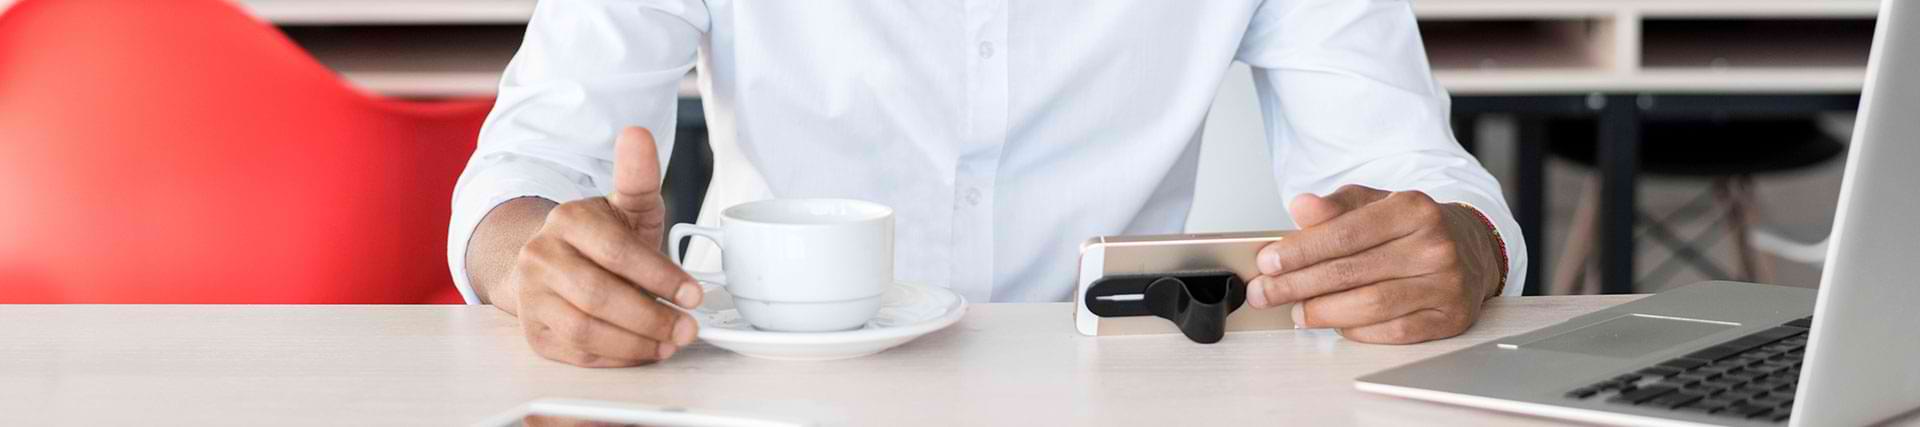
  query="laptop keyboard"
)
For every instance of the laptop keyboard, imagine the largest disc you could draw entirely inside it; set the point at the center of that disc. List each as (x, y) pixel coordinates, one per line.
(1751, 377)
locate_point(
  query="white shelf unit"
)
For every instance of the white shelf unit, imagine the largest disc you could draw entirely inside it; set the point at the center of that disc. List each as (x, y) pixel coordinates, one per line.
(457, 48)
(412, 48)
(1670, 46)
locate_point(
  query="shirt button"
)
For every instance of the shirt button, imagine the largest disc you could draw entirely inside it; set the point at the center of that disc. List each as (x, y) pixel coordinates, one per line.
(973, 197)
(986, 50)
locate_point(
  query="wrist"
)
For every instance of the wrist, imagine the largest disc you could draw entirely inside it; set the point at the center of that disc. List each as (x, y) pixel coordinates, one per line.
(1483, 239)
(496, 244)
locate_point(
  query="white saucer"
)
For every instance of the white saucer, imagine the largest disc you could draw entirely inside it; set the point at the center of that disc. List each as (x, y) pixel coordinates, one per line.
(907, 311)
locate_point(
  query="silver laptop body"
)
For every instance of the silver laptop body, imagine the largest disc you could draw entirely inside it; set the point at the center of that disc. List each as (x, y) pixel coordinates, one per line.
(1858, 361)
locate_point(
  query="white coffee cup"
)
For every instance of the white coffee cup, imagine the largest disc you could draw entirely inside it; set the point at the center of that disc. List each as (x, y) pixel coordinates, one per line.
(800, 265)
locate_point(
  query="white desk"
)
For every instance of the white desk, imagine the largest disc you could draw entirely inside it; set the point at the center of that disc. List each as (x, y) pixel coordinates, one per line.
(1004, 364)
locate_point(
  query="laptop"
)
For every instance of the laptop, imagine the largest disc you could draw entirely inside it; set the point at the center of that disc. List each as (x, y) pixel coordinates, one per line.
(1727, 353)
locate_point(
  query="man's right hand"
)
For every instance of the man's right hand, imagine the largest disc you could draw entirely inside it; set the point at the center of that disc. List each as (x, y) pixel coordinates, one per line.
(584, 286)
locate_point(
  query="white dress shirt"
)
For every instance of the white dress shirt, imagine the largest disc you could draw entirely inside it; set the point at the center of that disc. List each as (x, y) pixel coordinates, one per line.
(1003, 133)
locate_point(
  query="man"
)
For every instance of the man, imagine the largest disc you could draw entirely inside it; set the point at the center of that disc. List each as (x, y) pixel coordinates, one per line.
(1002, 133)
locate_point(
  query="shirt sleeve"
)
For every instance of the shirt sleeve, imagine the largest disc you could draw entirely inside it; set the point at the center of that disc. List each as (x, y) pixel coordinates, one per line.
(1348, 98)
(585, 69)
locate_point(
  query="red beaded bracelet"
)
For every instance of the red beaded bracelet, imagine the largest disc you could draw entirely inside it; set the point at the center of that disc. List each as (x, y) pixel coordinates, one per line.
(1499, 243)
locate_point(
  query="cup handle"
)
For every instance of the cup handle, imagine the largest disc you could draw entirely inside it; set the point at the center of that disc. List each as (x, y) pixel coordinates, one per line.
(682, 231)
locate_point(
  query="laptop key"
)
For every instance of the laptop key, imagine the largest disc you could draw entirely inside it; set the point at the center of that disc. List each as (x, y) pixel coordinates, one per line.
(1746, 394)
(1677, 384)
(1582, 393)
(1743, 376)
(1659, 371)
(1716, 402)
(1703, 389)
(1722, 383)
(1641, 395)
(1716, 369)
(1671, 400)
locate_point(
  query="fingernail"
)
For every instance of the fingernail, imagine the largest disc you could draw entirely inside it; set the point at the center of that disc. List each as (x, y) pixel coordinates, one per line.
(688, 296)
(684, 331)
(1299, 316)
(1257, 292)
(667, 350)
(1270, 261)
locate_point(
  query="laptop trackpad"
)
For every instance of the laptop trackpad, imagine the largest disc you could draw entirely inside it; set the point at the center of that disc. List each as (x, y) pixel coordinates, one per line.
(1629, 336)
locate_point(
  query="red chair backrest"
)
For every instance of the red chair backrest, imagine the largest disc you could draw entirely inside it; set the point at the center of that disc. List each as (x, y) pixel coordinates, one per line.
(184, 152)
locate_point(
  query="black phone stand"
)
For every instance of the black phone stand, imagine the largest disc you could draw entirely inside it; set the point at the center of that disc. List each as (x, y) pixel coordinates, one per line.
(1197, 302)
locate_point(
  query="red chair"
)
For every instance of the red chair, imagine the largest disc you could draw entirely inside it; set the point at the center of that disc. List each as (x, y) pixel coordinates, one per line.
(184, 152)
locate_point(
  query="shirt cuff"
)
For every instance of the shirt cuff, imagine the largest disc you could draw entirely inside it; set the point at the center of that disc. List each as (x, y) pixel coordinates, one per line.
(487, 187)
(1515, 244)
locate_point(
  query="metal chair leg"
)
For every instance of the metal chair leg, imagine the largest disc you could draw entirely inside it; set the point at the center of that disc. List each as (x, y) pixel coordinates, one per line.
(1754, 266)
(1570, 271)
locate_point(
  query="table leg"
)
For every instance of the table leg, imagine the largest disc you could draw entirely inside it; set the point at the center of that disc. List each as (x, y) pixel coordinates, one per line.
(1530, 162)
(1619, 157)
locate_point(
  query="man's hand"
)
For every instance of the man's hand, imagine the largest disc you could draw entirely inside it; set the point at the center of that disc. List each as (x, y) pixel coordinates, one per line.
(1394, 268)
(584, 287)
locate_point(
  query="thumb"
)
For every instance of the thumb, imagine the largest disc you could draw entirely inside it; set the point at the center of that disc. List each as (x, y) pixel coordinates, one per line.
(636, 174)
(1310, 210)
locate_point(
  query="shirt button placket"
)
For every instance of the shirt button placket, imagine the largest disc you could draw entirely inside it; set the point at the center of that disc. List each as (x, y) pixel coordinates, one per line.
(979, 151)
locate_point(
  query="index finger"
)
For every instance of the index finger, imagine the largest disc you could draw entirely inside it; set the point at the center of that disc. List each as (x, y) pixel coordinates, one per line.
(1345, 235)
(1310, 210)
(607, 242)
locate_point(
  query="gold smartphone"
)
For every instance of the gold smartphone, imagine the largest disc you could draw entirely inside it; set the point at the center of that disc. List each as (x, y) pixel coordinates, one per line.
(1168, 253)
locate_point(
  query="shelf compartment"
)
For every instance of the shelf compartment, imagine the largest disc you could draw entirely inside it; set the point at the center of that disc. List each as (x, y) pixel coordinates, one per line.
(1573, 44)
(414, 61)
(391, 12)
(1755, 44)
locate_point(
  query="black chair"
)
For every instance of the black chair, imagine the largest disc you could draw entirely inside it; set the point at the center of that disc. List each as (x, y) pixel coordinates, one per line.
(1727, 152)
(690, 170)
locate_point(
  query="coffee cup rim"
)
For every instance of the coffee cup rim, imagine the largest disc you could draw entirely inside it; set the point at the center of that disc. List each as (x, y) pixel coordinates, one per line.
(879, 212)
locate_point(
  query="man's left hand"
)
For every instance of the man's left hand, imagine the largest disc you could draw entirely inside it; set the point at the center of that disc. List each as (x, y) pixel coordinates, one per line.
(1382, 267)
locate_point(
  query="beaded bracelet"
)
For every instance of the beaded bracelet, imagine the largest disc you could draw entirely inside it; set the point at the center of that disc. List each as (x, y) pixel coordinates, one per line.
(1500, 244)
